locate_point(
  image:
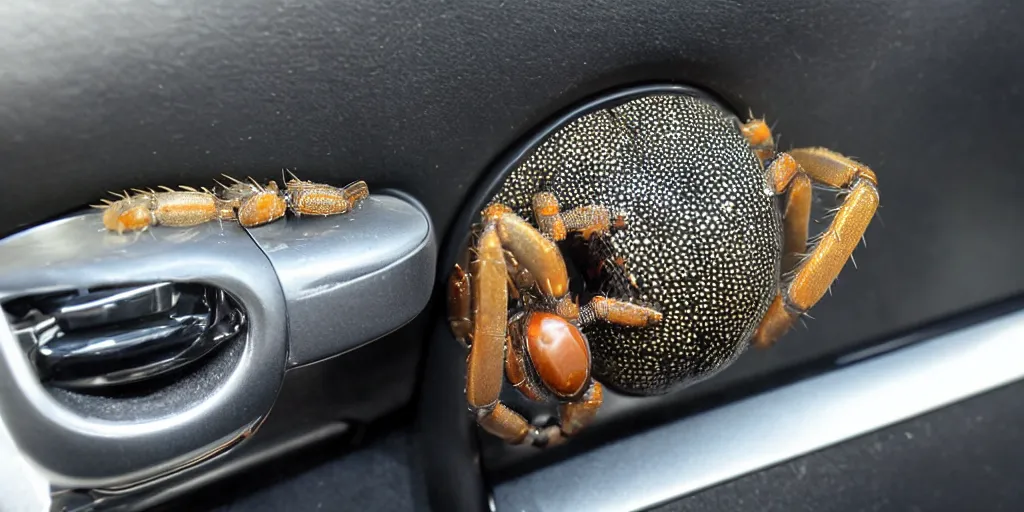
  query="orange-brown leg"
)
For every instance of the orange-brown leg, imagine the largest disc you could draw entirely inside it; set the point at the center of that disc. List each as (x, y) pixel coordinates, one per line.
(519, 278)
(577, 415)
(760, 137)
(815, 273)
(787, 179)
(356, 191)
(486, 361)
(588, 220)
(485, 364)
(532, 250)
(618, 312)
(460, 300)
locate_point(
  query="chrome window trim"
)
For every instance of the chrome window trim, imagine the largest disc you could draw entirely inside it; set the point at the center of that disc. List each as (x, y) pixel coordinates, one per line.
(704, 450)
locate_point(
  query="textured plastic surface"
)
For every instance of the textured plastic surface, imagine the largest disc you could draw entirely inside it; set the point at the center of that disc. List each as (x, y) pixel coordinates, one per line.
(349, 279)
(71, 436)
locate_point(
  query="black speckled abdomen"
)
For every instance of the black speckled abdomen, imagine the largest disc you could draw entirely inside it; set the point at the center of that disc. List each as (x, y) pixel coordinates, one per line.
(704, 238)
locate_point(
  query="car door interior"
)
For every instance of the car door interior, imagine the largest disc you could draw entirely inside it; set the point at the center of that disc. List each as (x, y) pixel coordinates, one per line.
(185, 357)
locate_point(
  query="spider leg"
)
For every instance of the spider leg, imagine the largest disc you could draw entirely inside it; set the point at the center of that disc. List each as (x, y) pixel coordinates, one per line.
(460, 303)
(507, 246)
(532, 250)
(577, 415)
(797, 214)
(485, 366)
(617, 312)
(813, 275)
(760, 137)
(484, 372)
(588, 220)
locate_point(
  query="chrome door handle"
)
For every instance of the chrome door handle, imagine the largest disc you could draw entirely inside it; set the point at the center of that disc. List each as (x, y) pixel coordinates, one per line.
(169, 347)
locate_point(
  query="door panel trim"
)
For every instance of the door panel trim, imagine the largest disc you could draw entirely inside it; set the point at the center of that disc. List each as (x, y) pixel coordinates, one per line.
(722, 444)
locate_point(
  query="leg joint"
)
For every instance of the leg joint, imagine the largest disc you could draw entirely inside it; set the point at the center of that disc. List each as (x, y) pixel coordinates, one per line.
(790, 307)
(482, 411)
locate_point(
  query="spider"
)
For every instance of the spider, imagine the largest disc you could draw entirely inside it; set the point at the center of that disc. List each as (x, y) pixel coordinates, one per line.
(718, 239)
(541, 349)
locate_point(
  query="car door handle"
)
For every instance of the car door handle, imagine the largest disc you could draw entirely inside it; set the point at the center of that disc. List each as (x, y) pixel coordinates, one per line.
(169, 347)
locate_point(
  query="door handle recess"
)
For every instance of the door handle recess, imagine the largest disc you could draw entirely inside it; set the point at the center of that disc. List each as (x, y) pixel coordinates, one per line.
(96, 339)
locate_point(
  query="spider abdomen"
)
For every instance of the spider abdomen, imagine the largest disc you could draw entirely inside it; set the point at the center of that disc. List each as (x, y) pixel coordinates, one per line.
(704, 236)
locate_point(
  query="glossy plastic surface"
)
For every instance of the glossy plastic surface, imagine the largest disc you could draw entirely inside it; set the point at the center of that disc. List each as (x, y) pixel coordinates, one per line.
(350, 279)
(128, 335)
(105, 307)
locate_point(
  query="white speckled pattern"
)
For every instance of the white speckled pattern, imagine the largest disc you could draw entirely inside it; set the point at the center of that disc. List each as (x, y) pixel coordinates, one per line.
(704, 239)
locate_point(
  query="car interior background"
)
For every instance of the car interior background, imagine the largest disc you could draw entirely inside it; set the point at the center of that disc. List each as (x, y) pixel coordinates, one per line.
(332, 380)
